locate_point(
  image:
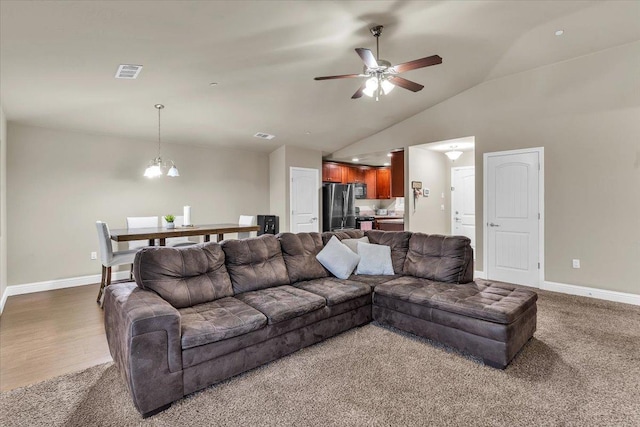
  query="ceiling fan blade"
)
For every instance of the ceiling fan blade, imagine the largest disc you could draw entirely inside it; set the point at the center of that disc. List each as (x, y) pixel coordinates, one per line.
(404, 83)
(418, 63)
(359, 92)
(343, 76)
(367, 57)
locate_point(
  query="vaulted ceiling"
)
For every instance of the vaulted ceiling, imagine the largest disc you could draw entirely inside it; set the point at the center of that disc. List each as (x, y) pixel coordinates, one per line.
(58, 60)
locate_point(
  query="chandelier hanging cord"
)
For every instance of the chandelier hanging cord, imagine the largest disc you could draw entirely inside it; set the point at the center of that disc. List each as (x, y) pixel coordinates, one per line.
(159, 107)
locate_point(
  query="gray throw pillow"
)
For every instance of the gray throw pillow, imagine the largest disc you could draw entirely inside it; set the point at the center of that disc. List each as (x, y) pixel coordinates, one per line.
(353, 243)
(374, 259)
(338, 259)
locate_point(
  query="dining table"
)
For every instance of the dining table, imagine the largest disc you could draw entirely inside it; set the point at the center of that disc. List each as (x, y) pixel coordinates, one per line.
(163, 233)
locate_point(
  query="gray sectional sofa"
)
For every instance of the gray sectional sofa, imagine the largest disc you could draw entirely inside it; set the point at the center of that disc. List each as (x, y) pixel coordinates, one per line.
(201, 314)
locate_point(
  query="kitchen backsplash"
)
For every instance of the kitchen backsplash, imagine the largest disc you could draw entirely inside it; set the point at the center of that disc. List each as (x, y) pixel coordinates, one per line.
(394, 207)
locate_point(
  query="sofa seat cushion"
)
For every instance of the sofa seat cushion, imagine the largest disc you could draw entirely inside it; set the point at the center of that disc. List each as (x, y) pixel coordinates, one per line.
(372, 280)
(335, 291)
(218, 320)
(283, 302)
(486, 300)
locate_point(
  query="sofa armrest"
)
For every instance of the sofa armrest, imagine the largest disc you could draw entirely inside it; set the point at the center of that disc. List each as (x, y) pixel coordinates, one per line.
(143, 332)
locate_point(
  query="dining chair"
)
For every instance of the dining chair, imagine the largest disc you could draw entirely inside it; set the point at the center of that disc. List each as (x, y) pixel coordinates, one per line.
(141, 222)
(109, 258)
(177, 241)
(246, 220)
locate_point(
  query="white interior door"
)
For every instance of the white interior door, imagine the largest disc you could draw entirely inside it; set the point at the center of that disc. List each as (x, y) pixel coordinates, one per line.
(463, 203)
(512, 217)
(305, 190)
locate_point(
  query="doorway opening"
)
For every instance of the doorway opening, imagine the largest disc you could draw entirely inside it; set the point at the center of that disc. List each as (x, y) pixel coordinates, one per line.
(442, 190)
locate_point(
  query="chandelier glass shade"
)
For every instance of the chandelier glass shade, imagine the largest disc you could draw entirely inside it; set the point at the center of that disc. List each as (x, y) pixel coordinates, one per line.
(156, 166)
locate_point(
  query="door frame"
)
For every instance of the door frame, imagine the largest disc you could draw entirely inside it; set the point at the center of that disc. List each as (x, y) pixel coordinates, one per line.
(485, 227)
(318, 194)
(451, 195)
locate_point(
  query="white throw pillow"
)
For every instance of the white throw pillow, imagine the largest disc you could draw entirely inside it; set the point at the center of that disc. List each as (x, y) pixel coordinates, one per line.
(353, 243)
(338, 259)
(374, 259)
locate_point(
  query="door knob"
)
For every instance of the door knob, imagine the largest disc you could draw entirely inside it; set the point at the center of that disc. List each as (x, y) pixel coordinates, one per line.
(313, 219)
(456, 218)
(493, 225)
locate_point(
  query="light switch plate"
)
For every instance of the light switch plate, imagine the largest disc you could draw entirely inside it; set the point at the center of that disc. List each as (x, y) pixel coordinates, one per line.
(576, 263)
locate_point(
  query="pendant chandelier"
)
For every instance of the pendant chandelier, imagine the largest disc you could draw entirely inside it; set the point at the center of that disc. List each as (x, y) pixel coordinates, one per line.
(453, 154)
(156, 166)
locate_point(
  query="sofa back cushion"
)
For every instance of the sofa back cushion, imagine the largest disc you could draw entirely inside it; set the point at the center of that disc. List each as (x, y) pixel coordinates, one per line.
(342, 234)
(397, 240)
(255, 263)
(183, 276)
(299, 252)
(441, 258)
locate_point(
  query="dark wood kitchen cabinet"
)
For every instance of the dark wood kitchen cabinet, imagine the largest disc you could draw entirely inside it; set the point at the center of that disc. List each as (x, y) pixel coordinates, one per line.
(333, 172)
(383, 183)
(370, 180)
(355, 174)
(397, 174)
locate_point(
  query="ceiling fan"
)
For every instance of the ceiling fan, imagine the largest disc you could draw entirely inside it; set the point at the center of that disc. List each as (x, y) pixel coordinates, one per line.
(381, 76)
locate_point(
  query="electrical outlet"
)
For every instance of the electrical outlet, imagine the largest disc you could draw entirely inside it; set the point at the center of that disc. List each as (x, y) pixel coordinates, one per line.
(576, 263)
(94, 255)
(441, 207)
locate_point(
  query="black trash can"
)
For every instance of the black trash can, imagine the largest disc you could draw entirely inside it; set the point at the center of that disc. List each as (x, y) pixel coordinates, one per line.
(268, 224)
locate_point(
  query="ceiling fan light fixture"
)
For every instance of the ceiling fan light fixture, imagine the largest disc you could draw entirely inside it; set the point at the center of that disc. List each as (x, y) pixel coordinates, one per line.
(371, 86)
(387, 86)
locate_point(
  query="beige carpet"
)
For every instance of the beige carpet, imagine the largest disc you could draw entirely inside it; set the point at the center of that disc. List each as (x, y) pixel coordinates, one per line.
(582, 368)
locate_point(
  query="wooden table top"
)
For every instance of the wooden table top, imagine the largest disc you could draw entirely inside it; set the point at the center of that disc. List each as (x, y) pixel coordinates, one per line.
(128, 234)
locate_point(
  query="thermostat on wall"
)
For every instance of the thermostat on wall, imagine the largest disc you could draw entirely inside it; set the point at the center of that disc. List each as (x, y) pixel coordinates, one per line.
(425, 192)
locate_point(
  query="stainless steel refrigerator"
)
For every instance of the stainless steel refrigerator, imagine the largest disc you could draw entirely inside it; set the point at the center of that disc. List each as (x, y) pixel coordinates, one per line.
(338, 206)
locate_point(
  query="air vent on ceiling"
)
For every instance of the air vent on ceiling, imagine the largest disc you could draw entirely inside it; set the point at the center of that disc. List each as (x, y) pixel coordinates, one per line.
(264, 135)
(128, 71)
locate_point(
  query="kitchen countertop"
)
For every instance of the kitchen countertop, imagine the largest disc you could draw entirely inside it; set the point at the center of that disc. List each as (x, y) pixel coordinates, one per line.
(396, 220)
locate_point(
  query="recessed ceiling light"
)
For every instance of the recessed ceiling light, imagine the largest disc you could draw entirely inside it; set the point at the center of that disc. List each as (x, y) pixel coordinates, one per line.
(307, 133)
(355, 159)
(213, 84)
(559, 32)
(389, 154)
(387, 164)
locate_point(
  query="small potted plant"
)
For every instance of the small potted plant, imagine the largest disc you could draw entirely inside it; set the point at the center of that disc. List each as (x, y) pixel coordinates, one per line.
(170, 219)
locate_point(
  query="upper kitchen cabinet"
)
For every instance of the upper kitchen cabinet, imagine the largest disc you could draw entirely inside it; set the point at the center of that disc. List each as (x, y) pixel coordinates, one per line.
(354, 174)
(333, 172)
(370, 180)
(383, 183)
(397, 174)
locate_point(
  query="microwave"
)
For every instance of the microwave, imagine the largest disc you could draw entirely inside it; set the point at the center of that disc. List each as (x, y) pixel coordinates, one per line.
(360, 190)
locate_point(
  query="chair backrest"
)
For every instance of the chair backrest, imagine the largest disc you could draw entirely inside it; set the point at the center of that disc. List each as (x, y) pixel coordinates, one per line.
(104, 242)
(246, 220)
(141, 222)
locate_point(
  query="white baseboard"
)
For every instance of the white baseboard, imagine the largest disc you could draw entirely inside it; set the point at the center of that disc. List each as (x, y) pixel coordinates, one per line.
(585, 291)
(479, 275)
(49, 285)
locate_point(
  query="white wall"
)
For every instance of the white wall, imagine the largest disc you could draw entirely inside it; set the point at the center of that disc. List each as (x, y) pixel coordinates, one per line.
(585, 113)
(3, 207)
(424, 213)
(281, 161)
(61, 182)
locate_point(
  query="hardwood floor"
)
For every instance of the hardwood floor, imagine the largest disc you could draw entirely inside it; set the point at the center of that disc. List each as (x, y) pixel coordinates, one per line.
(46, 334)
